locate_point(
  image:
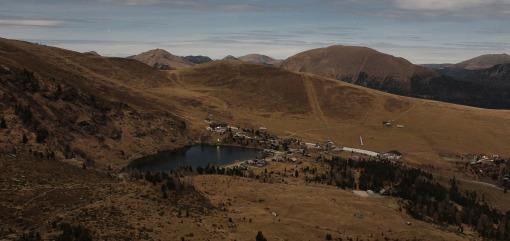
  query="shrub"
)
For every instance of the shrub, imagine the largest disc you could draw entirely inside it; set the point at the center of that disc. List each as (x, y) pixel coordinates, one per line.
(41, 135)
(260, 237)
(3, 123)
(73, 233)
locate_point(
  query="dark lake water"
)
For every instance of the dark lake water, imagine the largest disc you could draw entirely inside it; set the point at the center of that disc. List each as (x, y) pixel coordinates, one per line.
(195, 156)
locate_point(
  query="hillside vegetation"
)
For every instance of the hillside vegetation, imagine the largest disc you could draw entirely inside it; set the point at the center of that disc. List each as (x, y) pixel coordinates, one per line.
(75, 105)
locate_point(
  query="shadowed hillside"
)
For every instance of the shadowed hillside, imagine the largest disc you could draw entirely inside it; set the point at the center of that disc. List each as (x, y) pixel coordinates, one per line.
(79, 105)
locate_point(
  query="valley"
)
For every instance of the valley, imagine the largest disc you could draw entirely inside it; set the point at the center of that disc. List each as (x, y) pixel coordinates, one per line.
(74, 122)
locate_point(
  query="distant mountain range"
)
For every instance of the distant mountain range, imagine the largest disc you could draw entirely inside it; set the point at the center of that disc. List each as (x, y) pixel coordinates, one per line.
(256, 59)
(477, 63)
(482, 81)
(484, 68)
(164, 60)
(496, 73)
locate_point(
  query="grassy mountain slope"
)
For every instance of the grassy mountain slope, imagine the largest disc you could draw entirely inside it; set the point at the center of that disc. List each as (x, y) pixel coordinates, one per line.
(318, 108)
(91, 108)
(358, 65)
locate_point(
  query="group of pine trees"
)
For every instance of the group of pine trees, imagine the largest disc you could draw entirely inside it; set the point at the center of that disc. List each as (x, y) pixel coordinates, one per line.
(73, 233)
(67, 232)
(172, 181)
(425, 198)
(211, 169)
(27, 118)
(3, 123)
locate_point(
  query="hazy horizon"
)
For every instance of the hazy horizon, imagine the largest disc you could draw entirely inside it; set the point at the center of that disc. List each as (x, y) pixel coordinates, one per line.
(426, 31)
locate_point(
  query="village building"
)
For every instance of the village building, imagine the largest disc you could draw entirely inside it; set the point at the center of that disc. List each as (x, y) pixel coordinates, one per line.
(391, 155)
(310, 145)
(360, 151)
(256, 162)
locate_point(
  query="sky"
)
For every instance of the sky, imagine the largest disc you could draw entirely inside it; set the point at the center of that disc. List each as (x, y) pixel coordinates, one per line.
(422, 31)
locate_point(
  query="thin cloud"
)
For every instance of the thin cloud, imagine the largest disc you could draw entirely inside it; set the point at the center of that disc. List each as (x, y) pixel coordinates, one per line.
(423, 9)
(455, 8)
(148, 2)
(233, 6)
(30, 22)
(440, 4)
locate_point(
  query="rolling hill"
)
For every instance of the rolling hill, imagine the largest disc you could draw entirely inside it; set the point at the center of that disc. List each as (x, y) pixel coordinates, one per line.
(358, 65)
(484, 61)
(162, 59)
(260, 59)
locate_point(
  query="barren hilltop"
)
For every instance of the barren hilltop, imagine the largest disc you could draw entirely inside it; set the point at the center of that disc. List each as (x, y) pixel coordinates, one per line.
(357, 65)
(260, 59)
(162, 59)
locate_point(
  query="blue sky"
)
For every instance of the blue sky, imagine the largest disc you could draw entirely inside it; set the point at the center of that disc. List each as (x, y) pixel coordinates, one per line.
(422, 31)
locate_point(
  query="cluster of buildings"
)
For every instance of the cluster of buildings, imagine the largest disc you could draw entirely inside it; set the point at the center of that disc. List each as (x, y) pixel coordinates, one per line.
(283, 150)
(491, 166)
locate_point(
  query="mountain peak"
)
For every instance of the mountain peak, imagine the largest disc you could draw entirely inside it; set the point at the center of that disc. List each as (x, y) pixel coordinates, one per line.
(230, 57)
(162, 59)
(260, 59)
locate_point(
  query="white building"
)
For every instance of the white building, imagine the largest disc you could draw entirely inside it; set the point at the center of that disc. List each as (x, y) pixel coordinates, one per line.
(360, 151)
